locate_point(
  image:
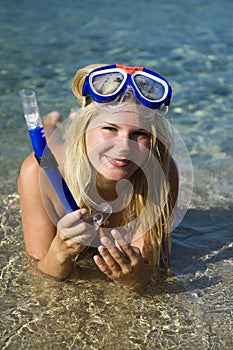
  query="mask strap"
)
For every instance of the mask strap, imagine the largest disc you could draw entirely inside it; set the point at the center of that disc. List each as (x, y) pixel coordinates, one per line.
(163, 109)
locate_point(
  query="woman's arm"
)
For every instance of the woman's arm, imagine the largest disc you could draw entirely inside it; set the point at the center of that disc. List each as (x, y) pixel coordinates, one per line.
(52, 248)
(38, 229)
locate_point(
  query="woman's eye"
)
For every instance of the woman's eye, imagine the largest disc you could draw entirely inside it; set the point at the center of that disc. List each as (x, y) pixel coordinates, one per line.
(109, 128)
(142, 133)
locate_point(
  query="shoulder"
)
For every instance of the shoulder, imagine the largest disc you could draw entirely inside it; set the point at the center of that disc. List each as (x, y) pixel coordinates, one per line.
(30, 168)
(29, 171)
(36, 191)
(29, 183)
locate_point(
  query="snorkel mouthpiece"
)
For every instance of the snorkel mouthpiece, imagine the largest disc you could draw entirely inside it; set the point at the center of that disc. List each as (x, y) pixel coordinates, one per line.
(30, 108)
(99, 216)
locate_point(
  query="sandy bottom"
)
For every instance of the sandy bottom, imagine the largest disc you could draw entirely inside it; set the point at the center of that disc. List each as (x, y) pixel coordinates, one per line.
(191, 310)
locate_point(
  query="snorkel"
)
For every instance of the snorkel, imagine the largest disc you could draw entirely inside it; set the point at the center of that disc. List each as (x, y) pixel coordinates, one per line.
(48, 162)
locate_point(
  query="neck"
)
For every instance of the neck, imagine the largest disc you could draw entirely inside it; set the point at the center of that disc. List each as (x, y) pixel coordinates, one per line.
(117, 193)
(106, 189)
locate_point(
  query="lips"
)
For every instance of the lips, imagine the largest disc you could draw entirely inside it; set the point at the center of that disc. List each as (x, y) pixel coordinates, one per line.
(118, 162)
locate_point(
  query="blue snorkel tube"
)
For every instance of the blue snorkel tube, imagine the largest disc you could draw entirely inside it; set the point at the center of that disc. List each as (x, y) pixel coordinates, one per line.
(48, 162)
(42, 152)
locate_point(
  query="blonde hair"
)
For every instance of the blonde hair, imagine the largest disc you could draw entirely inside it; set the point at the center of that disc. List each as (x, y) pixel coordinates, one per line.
(78, 82)
(80, 174)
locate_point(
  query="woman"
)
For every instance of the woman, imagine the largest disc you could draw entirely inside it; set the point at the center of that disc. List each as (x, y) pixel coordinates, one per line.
(117, 150)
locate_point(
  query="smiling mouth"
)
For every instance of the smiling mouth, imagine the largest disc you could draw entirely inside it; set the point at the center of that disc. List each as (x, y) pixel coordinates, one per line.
(117, 162)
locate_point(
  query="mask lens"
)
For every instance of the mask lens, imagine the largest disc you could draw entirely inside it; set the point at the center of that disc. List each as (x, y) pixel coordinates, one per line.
(107, 83)
(150, 88)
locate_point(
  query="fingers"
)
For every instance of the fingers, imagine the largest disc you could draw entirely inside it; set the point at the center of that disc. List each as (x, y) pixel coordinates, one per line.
(112, 261)
(70, 219)
(72, 227)
(114, 257)
(102, 266)
(72, 223)
(126, 248)
(109, 264)
(123, 265)
(105, 263)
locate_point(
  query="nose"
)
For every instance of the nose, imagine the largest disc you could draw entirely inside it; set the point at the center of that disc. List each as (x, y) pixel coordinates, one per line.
(123, 144)
(128, 94)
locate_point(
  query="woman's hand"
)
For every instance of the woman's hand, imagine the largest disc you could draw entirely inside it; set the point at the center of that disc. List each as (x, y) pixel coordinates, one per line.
(73, 234)
(122, 264)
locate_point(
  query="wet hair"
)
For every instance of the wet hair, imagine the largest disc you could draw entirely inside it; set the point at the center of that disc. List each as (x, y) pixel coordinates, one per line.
(152, 209)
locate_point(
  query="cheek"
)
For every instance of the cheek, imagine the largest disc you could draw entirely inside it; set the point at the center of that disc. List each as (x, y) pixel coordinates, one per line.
(146, 143)
(89, 140)
(93, 142)
(144, 147)
(91, 148)
(143, 152)
(96, 146)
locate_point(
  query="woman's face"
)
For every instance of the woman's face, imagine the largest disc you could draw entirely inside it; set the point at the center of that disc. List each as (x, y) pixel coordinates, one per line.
(117, 143)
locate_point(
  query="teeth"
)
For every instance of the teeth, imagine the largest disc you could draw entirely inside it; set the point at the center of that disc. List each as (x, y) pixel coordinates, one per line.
(119, 161)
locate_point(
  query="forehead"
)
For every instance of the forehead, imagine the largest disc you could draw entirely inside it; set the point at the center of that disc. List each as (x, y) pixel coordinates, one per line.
(123, 117)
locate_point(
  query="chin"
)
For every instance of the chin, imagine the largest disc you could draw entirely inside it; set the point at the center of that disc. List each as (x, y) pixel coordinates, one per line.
(115, 177)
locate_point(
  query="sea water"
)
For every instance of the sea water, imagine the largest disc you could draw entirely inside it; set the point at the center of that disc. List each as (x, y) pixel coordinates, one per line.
(191, 44)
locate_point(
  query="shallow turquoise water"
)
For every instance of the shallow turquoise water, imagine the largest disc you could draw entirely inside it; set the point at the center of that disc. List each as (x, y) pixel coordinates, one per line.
(191, 44)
